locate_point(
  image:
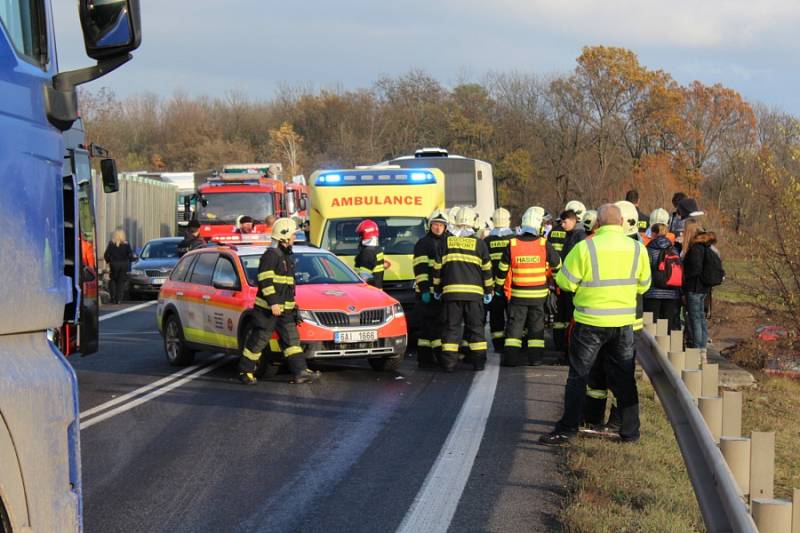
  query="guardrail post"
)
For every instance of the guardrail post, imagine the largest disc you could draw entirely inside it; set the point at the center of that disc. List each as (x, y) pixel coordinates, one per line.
(676, 340)
(731, 413)
(678, 361)
(663, 342)
(694, 382)
(762, 464)
(692, 358)
(772, 516)
(662, 327)
(796, 511)
(736, 451)
(711, 409)
(711, 380)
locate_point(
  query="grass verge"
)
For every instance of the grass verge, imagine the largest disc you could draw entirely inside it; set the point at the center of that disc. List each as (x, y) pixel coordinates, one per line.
(775, 406)
(639, 487)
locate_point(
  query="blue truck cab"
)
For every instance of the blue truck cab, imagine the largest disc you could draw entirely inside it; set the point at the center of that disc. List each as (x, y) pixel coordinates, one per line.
(40, 485)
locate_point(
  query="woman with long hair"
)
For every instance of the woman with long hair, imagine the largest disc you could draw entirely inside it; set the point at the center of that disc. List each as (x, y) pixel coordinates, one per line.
(695, 242)
(663, 301)
(118, 257)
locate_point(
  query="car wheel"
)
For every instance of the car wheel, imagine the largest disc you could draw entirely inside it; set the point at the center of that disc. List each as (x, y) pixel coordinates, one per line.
(386, 364)
(178, 354)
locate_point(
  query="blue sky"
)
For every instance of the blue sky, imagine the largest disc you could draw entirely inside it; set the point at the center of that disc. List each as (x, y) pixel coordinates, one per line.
(212, 47)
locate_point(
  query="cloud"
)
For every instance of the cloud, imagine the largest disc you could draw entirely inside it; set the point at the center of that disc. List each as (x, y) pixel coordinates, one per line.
(680, 23)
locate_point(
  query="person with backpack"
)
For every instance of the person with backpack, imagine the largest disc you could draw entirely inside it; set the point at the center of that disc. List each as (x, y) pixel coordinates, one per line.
(663, 298)
(702, 271)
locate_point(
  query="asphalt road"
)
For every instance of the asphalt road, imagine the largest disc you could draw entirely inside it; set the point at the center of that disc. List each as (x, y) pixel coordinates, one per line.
(200, 452)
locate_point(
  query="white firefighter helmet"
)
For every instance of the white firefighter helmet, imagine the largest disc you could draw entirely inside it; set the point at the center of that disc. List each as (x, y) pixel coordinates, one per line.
(283, 229)
(576, 206)
(532, 220)
(659, 216)
(464, 217)
(589, 220)
(439, 215)
(630, 217)
(501, 218)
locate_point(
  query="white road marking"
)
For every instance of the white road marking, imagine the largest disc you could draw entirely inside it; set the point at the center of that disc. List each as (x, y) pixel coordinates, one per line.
(436, 502)
(161, 387)
(127, 310)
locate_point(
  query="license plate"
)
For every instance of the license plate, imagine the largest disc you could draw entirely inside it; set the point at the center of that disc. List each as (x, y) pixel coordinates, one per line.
(158, 281)
(355, 336)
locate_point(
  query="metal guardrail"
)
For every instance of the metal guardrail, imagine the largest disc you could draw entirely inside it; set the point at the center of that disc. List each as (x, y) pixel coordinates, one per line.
(722, 507)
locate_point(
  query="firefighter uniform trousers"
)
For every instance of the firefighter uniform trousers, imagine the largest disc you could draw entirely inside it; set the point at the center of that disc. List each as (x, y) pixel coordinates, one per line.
(431, 323)
(275, 287)
(523, 276)
(564, 311)
(263, 325)
(498, 309)
(463, 277)
(429, 317)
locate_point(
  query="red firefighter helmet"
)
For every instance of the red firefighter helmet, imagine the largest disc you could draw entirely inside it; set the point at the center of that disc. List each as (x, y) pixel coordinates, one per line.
(367, 229)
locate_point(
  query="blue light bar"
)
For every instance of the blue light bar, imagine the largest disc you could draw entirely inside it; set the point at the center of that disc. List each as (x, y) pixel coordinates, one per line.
(370, 177)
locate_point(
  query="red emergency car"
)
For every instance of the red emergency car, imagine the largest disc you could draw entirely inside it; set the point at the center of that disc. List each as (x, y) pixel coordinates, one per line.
(206, 304)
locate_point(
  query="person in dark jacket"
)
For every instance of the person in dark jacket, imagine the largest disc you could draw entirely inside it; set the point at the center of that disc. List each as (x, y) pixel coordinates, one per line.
(192, 239)
(663, 303)
(118, 257)
(564, 237)
(695, 243)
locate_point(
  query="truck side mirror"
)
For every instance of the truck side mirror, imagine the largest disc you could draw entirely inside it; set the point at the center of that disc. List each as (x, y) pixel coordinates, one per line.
(108, 168)
(110, 27)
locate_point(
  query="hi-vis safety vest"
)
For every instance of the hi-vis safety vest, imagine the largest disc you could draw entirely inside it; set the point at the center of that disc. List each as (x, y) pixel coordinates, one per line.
(606, 273)
(527, 271)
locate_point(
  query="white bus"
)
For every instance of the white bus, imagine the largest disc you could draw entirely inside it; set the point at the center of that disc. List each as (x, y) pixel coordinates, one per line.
(466, 181)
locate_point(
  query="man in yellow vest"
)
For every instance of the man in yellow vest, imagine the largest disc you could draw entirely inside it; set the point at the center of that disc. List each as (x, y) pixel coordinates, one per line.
(522, 277)
(606, 273)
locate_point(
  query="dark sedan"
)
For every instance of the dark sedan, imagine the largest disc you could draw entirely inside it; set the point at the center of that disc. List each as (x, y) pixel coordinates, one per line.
(158, 258)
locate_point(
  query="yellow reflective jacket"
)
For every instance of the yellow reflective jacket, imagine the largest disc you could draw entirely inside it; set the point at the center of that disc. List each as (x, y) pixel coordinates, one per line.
(606, 273)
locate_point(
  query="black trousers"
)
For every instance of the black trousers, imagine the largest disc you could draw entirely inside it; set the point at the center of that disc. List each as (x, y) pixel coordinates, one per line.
(263, 325)
(664, 309)
(563, 317)
(594, 411)
(430, 320)
(471, 314)
(524, 317)
(620, 366)
(119, 275)
(497, 321)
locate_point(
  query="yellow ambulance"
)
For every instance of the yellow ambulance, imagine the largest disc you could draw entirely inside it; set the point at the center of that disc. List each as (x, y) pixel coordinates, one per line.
(398, 200)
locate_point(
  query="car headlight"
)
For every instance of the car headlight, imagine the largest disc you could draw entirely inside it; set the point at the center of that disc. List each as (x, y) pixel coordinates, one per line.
(138, 273)
(307, 316)
(395, 310)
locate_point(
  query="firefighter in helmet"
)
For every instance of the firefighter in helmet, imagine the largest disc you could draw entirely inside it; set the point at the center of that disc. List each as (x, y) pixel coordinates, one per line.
(275, 309)
(428, 315)
(463, 281)
(522, 277)
(369, 259)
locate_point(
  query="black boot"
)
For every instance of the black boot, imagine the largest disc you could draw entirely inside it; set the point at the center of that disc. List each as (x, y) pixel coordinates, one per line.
(300, 372)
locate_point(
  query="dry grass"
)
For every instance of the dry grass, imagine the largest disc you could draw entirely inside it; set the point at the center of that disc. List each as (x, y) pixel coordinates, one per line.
(641, 487)
(775, 406)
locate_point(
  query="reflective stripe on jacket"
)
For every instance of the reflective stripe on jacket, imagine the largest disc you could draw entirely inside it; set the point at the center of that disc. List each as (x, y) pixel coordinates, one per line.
(276, 279)
(465, 270)
(606, 273)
